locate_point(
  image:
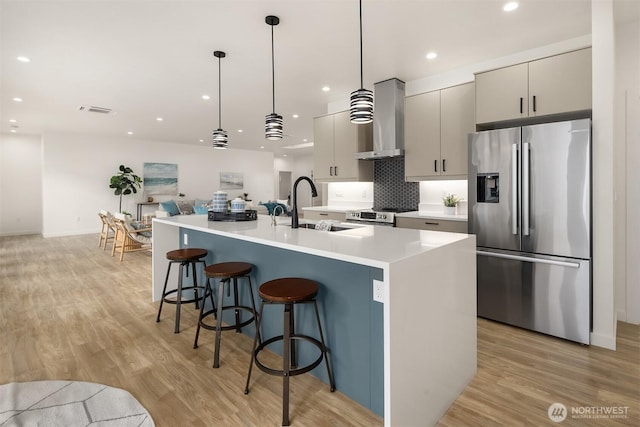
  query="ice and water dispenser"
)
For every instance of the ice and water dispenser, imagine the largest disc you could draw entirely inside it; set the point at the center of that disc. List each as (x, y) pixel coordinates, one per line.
(488, 188)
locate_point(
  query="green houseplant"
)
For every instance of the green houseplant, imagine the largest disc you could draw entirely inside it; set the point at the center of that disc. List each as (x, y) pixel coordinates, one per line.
(450, 202)
(126, 182)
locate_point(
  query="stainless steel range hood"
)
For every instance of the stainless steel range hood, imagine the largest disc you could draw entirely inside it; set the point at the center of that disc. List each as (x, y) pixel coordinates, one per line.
(388, 121)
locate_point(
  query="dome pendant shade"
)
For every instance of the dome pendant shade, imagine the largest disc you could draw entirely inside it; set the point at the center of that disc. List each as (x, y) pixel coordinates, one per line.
(361, 106)
(273, 127)
(220, 140)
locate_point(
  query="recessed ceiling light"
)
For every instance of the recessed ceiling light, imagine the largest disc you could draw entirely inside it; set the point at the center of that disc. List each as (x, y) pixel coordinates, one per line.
(159, 119)
(129, 133)
(432, 55)
(295, 116)
(13, 121)
(304, 140)
(13, 131)
(511, 6)
(284, 155)
(205, 97)
(23, 59)
(326, 88)
(262, 147)
(202, 140)
(240, 131)
(17, 99)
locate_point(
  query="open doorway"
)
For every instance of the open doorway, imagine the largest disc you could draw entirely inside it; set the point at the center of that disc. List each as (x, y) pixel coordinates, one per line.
(284, 185)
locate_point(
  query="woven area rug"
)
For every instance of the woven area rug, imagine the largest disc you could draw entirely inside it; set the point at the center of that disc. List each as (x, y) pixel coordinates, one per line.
(69, 404)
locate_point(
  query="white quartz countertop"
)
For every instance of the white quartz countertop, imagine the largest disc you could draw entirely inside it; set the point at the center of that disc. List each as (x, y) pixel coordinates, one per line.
(376, 246)
(432, 215)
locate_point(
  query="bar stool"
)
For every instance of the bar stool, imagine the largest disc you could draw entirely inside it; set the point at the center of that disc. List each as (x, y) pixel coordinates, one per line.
(289, 291)
(225, 272)
(186, 258)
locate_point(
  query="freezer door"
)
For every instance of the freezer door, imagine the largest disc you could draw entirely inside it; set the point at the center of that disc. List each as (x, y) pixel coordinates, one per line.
(493, 188)
(545, 294)
(556, 190)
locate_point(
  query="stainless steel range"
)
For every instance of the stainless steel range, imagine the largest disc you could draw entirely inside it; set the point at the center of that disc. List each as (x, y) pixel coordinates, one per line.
(372, 217)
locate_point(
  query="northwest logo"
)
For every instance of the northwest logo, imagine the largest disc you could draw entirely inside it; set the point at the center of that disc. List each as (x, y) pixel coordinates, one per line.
(557, 412)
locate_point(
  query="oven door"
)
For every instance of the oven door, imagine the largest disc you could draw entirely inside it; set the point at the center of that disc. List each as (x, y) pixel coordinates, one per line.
(365, 222)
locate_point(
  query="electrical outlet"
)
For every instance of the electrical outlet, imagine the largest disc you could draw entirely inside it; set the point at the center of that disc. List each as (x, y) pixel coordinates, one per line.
(185, 239)
(378, 291)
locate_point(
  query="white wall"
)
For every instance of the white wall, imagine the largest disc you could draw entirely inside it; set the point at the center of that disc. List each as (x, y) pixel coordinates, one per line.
(20, 184)
(300, 165)
(77, 169)
(626, 174)
(350, 194)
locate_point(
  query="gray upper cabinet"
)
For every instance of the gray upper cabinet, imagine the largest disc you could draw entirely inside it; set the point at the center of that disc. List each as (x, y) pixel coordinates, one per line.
(557, 84)
(437, 125)
(336, 141)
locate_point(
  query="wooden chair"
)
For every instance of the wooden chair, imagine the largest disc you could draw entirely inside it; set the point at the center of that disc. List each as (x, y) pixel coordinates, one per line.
(128, 239)
(108, 230)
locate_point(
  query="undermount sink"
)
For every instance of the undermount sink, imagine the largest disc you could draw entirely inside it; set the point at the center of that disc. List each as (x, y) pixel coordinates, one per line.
(333, 227)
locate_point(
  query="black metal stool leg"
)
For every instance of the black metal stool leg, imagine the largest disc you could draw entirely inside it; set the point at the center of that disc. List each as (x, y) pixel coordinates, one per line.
(179, 298)
(216, 356)
(324, 349)
(253, 305)
(195, 284)
(164, 289)
(235, 302)
(292, 343)
(207, 292)
(286, 363)
(255, 345)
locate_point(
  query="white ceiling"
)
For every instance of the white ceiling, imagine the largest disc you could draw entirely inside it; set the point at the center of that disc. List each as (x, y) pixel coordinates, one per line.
(148, 59)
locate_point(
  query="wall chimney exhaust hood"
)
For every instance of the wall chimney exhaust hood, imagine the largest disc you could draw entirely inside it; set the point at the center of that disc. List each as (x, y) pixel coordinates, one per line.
(388, 121)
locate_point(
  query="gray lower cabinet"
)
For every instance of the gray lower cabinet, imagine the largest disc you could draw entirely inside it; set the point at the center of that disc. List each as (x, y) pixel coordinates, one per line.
(432, 224)
(320, 215)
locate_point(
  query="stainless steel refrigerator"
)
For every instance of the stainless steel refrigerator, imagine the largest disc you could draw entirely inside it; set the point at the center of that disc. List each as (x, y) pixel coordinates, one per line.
(530, 209)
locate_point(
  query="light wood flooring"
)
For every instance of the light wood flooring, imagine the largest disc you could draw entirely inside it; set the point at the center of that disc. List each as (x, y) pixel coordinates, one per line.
(68, 310)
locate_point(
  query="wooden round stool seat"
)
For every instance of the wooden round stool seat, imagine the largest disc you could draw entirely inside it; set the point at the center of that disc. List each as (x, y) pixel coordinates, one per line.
(289, 289)
(188, 254)
(228, 269)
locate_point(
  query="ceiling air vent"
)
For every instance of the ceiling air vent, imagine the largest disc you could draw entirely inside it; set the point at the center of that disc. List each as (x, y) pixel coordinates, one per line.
(93, 109)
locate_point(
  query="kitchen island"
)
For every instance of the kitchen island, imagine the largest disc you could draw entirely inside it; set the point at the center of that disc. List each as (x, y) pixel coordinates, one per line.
(407, 358)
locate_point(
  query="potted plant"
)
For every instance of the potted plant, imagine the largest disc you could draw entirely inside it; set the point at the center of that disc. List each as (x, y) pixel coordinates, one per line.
(450, 202)
(126, 182)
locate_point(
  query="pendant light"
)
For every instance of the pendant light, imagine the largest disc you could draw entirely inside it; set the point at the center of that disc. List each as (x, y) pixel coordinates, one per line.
(273, 122)
(220, 139)
(361, 99)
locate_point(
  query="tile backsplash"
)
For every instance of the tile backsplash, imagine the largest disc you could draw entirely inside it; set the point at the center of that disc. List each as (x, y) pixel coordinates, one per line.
(390, 190)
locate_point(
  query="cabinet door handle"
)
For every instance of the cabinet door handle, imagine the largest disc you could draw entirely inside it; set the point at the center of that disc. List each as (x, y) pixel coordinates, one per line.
(330, 170)
(444, 168)
(534, 103)
(324, 214)
(335, 170)
(521, 104)
(435, 166)
(431, 223)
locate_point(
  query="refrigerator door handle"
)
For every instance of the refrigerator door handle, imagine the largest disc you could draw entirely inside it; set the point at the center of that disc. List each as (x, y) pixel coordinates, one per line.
(525, 189)
(514, 189)
(527, 259)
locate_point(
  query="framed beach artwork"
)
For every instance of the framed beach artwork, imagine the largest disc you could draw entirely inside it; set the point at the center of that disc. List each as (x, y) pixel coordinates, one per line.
(160, 178)
(231, 181)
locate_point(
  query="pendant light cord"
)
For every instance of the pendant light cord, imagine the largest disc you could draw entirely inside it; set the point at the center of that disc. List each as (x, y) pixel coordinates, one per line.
(361, 73)
(219, 94)
(273, 72)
